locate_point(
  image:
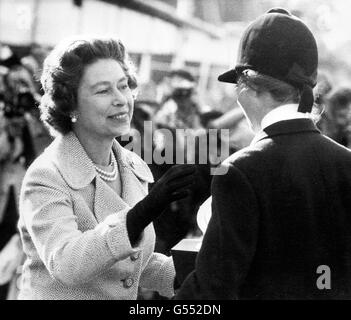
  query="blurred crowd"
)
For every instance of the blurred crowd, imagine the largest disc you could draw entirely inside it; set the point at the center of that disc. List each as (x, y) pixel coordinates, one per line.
(172, 104)
(335, 121)
(22, 138)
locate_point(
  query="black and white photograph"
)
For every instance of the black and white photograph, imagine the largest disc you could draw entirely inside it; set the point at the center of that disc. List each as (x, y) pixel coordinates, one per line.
(175, 154)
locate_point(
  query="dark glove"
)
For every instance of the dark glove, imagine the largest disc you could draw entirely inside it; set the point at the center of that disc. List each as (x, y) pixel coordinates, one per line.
(175, 184)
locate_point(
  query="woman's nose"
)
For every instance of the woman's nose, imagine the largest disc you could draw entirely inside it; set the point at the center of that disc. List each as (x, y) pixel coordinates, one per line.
(119, 99)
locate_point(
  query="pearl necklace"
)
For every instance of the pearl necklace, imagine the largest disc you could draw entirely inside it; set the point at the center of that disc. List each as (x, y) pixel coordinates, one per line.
(108, 176)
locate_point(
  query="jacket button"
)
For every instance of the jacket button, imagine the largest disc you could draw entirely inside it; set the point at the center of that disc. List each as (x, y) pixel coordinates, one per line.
(128, 282)
(134, 256)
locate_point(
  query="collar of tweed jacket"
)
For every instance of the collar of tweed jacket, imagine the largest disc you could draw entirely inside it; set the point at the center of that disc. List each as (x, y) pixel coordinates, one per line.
(77, 168)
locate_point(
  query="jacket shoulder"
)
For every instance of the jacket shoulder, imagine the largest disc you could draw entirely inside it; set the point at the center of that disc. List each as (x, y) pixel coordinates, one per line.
(241, 157)
(43, 171)
(243, 160)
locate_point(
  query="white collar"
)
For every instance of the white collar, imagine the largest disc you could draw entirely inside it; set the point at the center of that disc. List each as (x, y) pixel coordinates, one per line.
(284, 112)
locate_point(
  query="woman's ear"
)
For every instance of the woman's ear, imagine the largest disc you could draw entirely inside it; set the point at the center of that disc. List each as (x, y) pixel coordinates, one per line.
(267, 101)
(135, 93)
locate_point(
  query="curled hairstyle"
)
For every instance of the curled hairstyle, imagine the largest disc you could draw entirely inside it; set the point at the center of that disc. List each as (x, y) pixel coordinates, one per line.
(280, 90)
(63, 70)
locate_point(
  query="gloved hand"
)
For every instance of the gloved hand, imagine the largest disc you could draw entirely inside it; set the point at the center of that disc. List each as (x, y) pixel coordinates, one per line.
(175, 184)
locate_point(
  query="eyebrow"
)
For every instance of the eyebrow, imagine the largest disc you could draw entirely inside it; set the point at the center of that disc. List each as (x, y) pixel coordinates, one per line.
(107, 82)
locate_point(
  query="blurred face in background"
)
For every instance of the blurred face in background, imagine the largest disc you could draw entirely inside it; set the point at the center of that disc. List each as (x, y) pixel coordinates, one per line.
(20, 80)
(342, 117)
(181, 88)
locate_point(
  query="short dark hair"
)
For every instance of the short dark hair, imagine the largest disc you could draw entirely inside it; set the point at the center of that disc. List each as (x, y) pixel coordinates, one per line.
(63, 70)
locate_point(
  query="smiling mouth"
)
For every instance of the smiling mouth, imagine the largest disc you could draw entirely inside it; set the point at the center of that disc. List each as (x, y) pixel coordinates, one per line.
(123, 116)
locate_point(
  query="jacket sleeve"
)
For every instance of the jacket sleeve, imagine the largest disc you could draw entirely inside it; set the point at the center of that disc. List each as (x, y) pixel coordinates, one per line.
(71, 256)
(229, 243)
(159, 274)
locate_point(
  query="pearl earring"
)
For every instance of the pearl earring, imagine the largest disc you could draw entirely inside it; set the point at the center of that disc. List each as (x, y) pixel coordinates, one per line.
(74, 118)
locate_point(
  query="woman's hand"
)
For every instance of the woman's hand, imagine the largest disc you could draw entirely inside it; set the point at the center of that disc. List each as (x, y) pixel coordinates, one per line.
(175, 184)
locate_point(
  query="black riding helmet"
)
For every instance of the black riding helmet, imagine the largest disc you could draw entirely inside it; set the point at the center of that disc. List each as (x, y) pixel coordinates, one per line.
(279, 45)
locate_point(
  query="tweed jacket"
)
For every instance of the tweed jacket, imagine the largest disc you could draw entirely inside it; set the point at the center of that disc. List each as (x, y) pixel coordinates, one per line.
(282, 211)
(73, 229)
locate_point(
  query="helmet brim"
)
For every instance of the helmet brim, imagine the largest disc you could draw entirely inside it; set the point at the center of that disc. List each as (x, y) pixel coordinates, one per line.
(230, 76)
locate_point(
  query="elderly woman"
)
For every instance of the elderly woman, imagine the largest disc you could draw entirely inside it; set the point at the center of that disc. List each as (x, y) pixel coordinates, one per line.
(85, 211)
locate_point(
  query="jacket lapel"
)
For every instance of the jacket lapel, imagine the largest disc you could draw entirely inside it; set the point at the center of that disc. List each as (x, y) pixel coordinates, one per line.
(133, 173)
(78, 171)
(106, 201)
